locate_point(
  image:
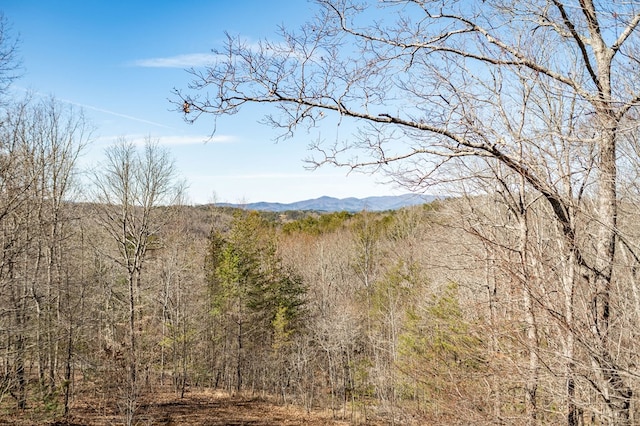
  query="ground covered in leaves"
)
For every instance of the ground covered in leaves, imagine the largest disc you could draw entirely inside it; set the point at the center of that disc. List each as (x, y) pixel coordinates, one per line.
(196, 408)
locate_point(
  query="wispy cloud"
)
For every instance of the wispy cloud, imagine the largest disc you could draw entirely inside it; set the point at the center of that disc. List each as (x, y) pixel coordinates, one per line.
(191, 140)
(178, 61)
(172, 140)
(194, 60)
(266, 176)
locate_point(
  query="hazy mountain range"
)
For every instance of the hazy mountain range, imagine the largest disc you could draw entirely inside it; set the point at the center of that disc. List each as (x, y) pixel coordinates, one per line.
(330, 204)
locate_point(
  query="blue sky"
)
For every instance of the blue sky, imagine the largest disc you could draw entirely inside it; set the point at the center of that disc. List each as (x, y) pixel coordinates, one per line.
(119, 60)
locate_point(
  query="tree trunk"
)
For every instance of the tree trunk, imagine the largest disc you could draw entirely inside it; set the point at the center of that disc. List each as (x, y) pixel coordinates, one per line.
(131, 386)
(568, 289)
(619, 394)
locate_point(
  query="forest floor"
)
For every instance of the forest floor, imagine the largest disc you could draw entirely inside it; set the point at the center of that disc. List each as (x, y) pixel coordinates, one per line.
(201, 407)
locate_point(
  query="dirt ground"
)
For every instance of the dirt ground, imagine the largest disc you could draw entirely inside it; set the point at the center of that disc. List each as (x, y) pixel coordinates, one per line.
(196, 408)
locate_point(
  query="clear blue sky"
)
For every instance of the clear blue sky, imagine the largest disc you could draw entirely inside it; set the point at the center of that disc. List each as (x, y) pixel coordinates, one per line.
(119, 60)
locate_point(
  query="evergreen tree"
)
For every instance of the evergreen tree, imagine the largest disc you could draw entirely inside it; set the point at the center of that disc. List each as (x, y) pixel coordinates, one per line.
(255, 300)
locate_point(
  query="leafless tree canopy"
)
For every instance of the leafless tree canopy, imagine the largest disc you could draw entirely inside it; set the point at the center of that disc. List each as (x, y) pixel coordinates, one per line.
(10, 63)
(452, 78)
(537, 98)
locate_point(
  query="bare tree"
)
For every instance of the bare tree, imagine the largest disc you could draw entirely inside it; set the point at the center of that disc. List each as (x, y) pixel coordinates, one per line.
(133, 194)
(10, 63)
(40, 144)
(436, 86)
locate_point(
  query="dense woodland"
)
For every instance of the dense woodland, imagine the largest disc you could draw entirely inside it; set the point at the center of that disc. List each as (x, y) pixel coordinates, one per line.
(514, 300)
(530, 110)
(426, 315)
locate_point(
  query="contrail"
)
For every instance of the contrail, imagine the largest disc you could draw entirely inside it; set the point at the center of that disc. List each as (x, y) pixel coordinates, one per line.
(117, 114)
(91, 107)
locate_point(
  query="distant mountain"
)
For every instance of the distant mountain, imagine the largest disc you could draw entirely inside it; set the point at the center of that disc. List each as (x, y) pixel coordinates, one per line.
(330, 204)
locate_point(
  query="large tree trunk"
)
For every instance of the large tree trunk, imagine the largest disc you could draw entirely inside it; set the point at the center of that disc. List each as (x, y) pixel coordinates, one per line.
(616, 392)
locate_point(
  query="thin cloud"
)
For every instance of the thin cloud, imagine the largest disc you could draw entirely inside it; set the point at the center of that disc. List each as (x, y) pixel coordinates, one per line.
(274, 176)
(191, 140)
(178, 61)
(195, 60)
(173, 140)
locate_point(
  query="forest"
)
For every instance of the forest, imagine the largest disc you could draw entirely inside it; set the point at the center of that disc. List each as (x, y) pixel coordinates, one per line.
(449, 313)
(514, 300)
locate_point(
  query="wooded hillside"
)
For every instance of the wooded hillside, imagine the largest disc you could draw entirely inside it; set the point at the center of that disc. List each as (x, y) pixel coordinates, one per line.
(426, 315)
(515, 300)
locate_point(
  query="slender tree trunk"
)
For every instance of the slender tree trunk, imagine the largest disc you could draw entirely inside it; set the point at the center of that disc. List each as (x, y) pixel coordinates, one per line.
(132, 389)
(183, 339)
(21, 393)
(619, 393)
(239, 359)
(568, 284)
(20, 352)
(67, 368)
(531, 386)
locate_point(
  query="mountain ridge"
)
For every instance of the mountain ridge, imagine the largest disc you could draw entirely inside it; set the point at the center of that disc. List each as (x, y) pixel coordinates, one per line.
(331, 204)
